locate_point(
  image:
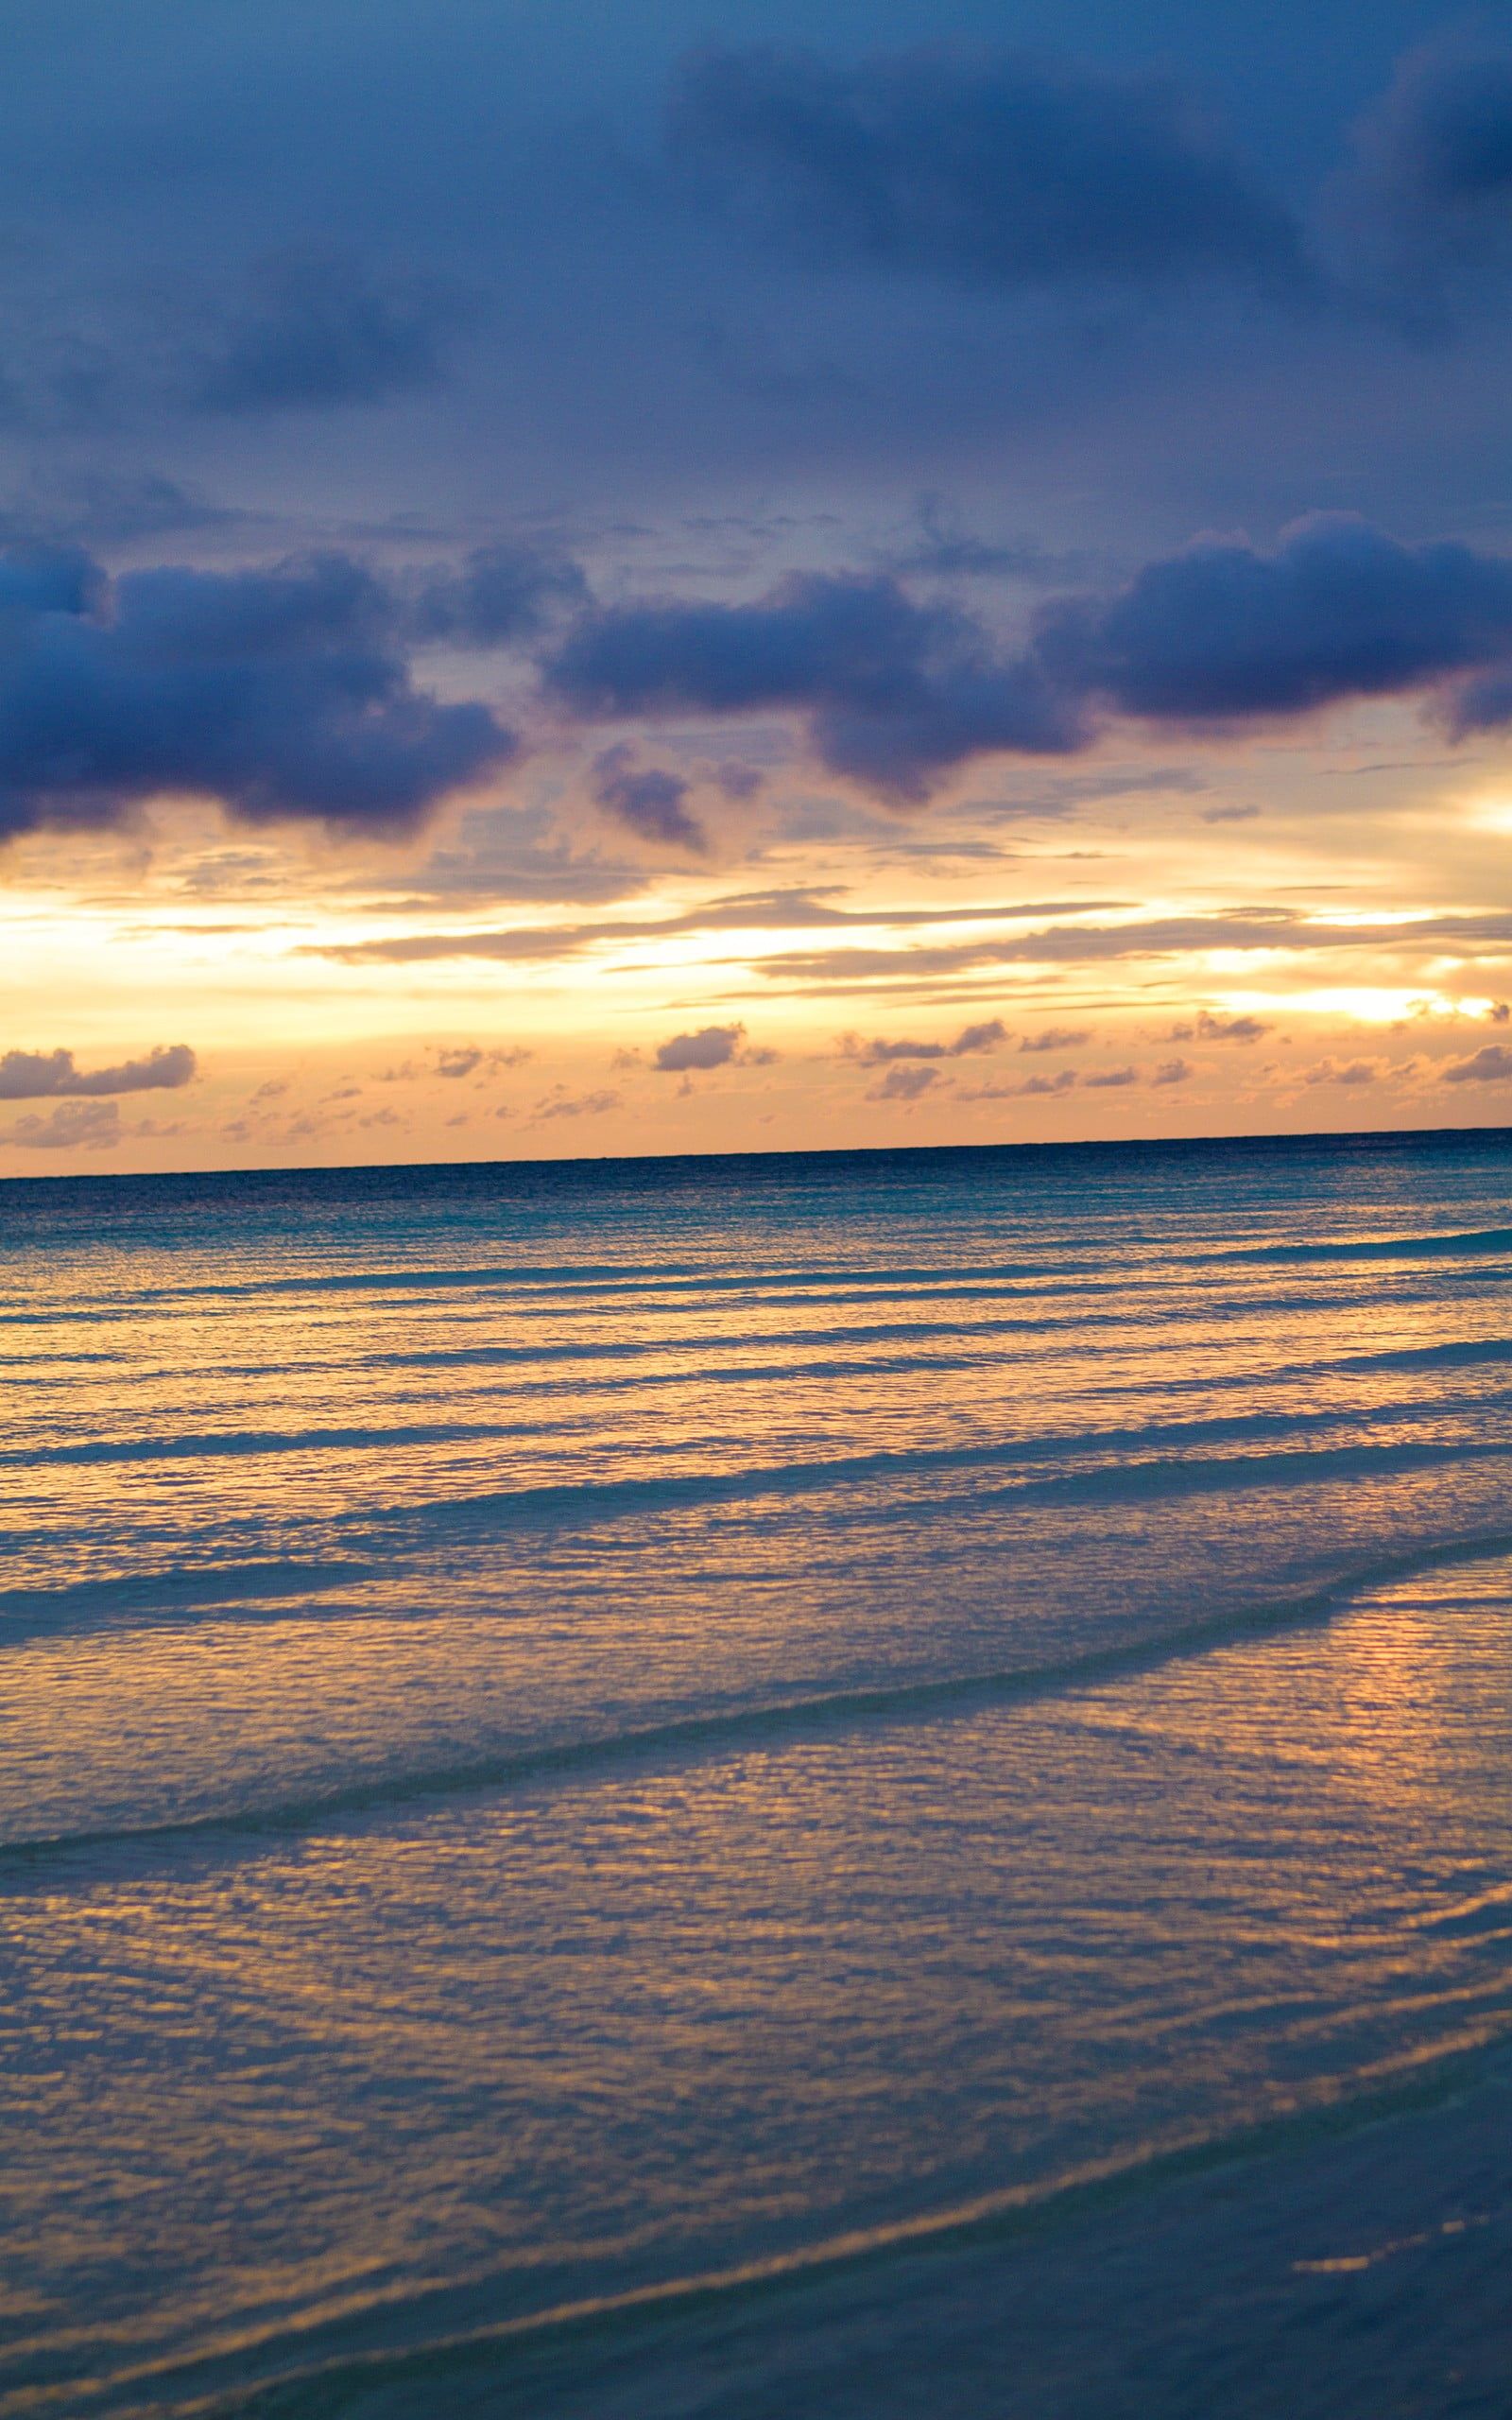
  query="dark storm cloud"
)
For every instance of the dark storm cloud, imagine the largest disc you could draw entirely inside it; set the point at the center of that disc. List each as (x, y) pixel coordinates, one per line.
(322, 328)
(1228, 631)
(649, 799)
(971, 165)
(1222, 634)
(279, 692)
(41, 1074)
(896, 690)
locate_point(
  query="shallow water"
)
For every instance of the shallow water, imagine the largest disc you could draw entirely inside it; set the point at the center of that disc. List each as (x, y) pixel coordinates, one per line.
(572, 1730)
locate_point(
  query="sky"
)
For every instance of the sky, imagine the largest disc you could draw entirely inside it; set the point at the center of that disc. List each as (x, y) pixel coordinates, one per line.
(707, 576)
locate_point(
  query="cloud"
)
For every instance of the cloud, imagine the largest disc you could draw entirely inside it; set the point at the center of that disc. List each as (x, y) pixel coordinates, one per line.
(1111, 1080)
(904, 1084)
(1227, 632)
(977, 167)
(971, 1038)
(321, 329)
(498, 596)
(73, 1126)
(1492, 1065)
(1353, 1072)
(1170, 1071)
(564, 1104)
(1206, 1026)
(713, 1045)
(896, 691)
(40, 1074)
(1434, 175)
(1057, 1037)
(1033, 1088)
(278, 692)
(649, 799)
(1222, 634)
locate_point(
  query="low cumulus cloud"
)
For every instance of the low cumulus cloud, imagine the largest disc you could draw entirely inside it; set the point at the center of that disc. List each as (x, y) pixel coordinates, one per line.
(41, 1074)
(904, 1084)
(713, 1045)
(1057, 1037)
(977, 167)
(71, 1126)
(1492, 1064)
(989, 1035)
(279, 692)
(1209, 1026)
(651, 801)
(1222, 635)
(561, 1103)
(1350, 1073)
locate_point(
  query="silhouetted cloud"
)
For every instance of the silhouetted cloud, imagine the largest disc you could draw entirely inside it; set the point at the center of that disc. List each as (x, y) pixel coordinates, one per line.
(322, 328)
(904, 1084)
(72, 1125)
(1228, 631)
(713, 1045)
(1352, 1073)
(1223, 632)
(897, 691)
(1207, 1027)
(976, 166)
(649, 799)
(279, 692)
(41, 1074)
(1055, 1037)
(1492, 1064)
(989, 1035)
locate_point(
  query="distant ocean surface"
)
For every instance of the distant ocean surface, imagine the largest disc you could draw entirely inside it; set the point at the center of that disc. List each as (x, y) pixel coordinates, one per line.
(581, 1735)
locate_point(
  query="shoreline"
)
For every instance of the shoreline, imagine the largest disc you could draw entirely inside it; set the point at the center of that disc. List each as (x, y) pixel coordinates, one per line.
(1362, 2268)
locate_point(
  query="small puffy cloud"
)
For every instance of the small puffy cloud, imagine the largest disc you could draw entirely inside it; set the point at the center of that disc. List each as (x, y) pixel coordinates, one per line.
(713, 1045)
(458, 1063)
(1492, 1064)
(1352, 1072)
(1111, 1080)
(904, 1084)
(1207, 1026)
(1057, 1037)
(39, 1075)
(989, 1035)
(976, 167)
(1171, 1071)
(651, 801)
(319, 329)
(278, 692)
(561, 1103)
(72, 1125)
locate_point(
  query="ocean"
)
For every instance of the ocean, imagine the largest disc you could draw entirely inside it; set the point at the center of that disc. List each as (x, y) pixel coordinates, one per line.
(615, 1772)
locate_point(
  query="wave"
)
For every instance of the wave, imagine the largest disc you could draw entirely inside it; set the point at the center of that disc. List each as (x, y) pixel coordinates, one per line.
(291, 2385)
(687, 1737)
(584, 1496)
(1475, 1243)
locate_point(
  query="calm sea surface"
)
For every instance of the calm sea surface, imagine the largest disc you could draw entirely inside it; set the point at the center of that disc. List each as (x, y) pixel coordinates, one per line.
(565, 1731)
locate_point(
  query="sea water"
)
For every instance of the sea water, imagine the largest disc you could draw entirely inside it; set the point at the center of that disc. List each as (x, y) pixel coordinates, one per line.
(574, 1736)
